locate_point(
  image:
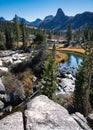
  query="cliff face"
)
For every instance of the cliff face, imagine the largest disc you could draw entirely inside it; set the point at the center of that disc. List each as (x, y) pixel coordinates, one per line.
(43, 114)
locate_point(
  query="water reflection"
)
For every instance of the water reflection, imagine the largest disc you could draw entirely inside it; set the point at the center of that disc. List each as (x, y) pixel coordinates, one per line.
(73, 59)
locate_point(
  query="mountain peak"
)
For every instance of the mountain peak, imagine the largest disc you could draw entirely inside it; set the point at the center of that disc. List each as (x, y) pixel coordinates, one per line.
(60, 12)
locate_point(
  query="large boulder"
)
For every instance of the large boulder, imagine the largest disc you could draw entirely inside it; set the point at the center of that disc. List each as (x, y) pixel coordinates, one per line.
(12, 122)
(66, 87)
(4, 69)
(44, 114)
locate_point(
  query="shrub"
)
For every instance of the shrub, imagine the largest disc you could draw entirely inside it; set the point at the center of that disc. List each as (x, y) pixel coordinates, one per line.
(12, 84)
(26, 78)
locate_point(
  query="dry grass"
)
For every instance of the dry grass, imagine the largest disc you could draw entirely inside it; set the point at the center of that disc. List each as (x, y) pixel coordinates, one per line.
(60, 48)
(60, 57)
(20, 44)
(82, 51)
(28, 83)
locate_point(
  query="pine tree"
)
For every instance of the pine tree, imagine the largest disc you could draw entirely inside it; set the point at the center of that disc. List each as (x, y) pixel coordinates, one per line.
(8, 38)
(79, 91)
(50, 78)
(88, 71)
(54, 51)
(40, 38)
(39, 54)
(23, 31)
(50, 75)
(49, 35)
(77, 36)
(16, 29)
(69, 34)
(84, 79)
(2, 41)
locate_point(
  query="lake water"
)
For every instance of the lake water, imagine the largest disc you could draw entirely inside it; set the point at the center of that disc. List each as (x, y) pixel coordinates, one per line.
(74, 59)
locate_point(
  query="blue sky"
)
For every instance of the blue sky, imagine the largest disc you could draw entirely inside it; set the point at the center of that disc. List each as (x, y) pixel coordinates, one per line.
(32, 9)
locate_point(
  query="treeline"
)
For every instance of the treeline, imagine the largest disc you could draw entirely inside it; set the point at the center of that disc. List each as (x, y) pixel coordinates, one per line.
(78, 36)
(12, 33)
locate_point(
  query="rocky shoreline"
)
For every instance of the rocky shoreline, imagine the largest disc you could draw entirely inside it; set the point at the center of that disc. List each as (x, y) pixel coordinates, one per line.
(67, 76)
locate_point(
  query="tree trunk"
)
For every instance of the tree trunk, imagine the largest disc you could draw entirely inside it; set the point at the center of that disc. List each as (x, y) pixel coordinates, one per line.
(87, 103)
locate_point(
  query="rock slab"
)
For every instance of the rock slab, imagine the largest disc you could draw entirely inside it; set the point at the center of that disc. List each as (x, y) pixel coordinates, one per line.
(12, 122)
(44, 114)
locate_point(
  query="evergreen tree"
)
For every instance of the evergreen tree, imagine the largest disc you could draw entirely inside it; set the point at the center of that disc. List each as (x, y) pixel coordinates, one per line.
(39, 54)
(50, 77)
(16, 29)
(49, 35)
(54, 51)
(69, 33)
(89, 71)
(50, 74)
(40, 38)
(84, 77)
(8, 38)
(86, 33)
(23, 31)
(79, 91)
(2, 41)
(39, 42)
(77, 36)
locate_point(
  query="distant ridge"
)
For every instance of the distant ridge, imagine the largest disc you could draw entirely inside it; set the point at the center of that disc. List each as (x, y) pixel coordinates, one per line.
(60, 21)
(20, 19)
(36, 22)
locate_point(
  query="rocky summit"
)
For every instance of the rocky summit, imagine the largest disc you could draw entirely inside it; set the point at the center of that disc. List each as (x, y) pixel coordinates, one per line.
(56, 22)
(43, 114)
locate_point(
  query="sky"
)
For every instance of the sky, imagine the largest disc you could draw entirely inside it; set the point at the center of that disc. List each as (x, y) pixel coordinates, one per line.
(32, 9)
